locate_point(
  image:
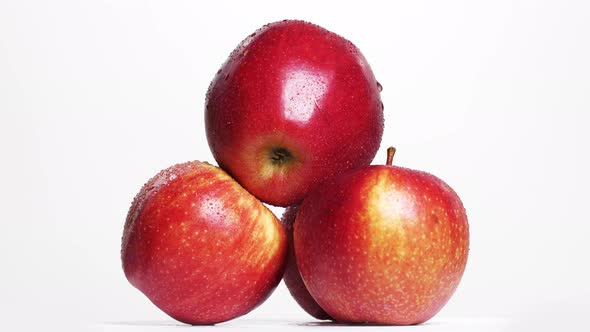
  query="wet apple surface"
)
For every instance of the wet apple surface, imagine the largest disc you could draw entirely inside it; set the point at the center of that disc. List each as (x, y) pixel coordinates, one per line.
(200, 247)
(293, 105)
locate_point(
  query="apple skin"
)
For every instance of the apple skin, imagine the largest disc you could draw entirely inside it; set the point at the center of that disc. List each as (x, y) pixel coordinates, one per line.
(382, 244)
(292, 278)
(293, 105)
(200, 247)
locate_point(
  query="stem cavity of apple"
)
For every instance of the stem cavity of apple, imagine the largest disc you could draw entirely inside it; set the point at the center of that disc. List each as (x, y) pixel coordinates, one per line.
(390, 153)
(280, 156)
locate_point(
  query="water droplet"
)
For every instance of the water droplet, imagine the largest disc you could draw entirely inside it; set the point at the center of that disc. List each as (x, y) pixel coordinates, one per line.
(226, 76)
(379, 86)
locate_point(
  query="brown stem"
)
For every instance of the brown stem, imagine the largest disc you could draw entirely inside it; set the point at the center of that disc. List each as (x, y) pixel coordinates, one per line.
(390, 153)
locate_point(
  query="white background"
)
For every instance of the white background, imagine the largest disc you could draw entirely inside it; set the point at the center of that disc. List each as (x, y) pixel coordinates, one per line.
(97, 96)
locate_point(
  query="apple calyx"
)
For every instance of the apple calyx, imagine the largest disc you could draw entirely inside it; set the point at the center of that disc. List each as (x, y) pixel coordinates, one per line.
(280, 156)
(390, 153)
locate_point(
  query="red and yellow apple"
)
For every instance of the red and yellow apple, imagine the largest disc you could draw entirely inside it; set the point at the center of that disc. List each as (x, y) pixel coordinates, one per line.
(382, 244)
(200, 247)
(292, 277)
(293, 105)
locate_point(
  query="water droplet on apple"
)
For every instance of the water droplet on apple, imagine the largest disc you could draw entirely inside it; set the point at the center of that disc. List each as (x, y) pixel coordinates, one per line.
(379, 86)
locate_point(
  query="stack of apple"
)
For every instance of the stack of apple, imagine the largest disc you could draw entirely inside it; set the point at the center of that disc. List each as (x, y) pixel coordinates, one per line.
(294, 118)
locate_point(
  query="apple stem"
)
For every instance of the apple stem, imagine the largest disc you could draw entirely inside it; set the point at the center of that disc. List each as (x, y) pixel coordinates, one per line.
(390, 153)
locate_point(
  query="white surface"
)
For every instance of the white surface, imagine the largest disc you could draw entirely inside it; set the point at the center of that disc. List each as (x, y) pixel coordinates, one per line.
(449, 324)
(97, 96)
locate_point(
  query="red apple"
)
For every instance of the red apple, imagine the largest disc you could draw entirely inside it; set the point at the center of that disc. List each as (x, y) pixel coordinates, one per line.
(293, 105)
(292, 277)
(200, 247)
(382, 244)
